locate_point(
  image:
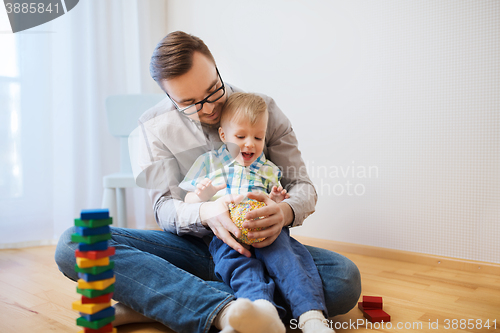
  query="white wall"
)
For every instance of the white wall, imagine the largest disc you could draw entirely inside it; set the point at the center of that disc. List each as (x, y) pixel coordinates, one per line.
(407, 90)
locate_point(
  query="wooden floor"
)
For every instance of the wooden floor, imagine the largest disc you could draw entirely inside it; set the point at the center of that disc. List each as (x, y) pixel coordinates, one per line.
(36, 297)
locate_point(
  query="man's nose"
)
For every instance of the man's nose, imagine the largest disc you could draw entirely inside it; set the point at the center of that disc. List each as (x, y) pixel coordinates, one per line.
(208, 108)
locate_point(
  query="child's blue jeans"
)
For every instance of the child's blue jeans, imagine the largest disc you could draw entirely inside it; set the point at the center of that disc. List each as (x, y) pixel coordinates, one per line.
(285, 264)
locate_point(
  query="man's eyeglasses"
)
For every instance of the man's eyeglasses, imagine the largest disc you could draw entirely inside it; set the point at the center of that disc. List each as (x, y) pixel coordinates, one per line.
(196, 107)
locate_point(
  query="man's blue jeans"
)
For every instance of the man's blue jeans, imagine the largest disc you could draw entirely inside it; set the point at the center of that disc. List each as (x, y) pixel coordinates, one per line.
(171, 279)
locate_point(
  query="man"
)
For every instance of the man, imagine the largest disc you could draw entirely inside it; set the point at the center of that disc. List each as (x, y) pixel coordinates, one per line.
(168, 276)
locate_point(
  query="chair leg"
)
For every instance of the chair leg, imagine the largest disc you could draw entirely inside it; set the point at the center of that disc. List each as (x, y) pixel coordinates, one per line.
(109, 202)
(121, 207)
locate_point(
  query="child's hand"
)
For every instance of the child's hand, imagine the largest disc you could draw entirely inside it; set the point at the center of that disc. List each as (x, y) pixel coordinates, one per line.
(205, 190)
(278, 194)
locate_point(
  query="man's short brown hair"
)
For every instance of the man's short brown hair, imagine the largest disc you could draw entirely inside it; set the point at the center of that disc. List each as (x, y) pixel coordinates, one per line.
(173, 56)
(244, 106)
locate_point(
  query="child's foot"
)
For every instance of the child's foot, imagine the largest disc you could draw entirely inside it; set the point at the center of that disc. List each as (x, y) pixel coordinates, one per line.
(259, 316)
(314, 322)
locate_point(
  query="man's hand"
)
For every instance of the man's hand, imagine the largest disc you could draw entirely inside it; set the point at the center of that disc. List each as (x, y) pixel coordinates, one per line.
(215, 214)
(274, 218)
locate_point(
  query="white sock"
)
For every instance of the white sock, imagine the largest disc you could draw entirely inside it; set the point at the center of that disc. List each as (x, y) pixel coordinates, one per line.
(259, 316)
(221, 320)
(314, 322)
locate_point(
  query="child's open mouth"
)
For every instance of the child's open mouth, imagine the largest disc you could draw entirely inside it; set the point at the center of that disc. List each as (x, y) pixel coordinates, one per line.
(247, 156)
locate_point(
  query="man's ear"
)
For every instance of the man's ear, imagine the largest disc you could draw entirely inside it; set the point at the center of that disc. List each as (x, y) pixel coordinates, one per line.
(222, 135)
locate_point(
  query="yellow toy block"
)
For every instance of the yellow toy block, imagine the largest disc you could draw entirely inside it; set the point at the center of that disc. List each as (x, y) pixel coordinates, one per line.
(90, 308)
(86, 263)
(113, 331)
(96, 285)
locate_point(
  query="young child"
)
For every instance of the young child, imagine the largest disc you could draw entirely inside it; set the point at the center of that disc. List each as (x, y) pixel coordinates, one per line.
(238, 167)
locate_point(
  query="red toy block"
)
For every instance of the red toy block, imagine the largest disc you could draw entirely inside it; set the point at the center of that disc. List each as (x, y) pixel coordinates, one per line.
(373, 302)
(94, 255)
(376, 316)
(105, 329)
(362, 307)
(99, 299)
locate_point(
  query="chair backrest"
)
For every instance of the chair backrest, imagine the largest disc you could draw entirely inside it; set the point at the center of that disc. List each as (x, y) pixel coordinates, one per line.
(122, 112)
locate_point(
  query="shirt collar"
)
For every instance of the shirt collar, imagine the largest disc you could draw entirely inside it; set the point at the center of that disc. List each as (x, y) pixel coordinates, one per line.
(224, 155)
(258, 163)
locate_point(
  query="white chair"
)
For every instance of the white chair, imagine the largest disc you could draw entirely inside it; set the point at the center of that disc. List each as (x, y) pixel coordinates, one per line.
(122, 112)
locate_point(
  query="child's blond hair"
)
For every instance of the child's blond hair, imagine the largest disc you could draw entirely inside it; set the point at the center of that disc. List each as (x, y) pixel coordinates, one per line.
(244, 106)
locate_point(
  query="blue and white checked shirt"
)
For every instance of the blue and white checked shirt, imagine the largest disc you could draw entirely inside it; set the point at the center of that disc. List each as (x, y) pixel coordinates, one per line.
(220, 167)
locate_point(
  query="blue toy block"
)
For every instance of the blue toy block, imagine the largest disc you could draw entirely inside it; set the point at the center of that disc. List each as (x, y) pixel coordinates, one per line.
(99, 246)
(108, 312)
(91, 277)
(84, 231)
(94, 214)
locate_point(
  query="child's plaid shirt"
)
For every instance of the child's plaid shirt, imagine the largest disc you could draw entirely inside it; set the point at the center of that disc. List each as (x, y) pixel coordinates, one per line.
(220, 167)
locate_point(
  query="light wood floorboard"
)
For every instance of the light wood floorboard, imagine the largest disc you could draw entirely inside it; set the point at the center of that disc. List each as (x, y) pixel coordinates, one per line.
(36, 297)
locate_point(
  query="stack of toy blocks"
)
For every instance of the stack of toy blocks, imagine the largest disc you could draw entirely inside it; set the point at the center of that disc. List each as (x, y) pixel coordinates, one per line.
(372, 309)
(95, 271)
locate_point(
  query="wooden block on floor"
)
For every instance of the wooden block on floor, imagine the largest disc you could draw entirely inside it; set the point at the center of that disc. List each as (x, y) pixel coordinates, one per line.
(89, 308)
(99, 246)
(96, 269)
(108, 312)
(93, 223)
(95, 325)
(87, 263)
(91, 293)
(94, 255)
(105, 329)
(113, 330)
(376, 316)
(96, 285)
(99, 299)
(97, 277)
(94, 214)
(373, 302)
(76, 238)
(86, 231)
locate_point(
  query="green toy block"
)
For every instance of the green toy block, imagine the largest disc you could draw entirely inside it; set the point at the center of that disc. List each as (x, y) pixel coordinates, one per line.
(93, 223)
(96, 269)
(96, 324)
(91, 293)
(75, 238)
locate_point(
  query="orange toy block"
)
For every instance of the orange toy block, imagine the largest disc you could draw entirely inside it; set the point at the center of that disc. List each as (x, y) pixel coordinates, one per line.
(87, 263)
(96, 285)
(89, 308)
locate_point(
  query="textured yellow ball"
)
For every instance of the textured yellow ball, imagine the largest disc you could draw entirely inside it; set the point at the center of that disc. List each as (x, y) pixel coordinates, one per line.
(238, 213)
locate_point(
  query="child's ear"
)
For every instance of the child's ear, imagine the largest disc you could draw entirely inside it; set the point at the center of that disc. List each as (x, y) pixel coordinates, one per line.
(222, 135)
